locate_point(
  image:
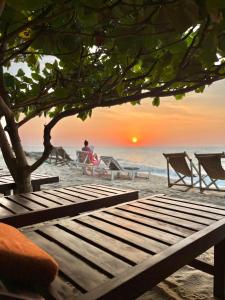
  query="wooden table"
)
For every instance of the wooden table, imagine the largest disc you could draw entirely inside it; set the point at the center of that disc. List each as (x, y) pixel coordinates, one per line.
(7, 184)
(30, 208)
(122, 251)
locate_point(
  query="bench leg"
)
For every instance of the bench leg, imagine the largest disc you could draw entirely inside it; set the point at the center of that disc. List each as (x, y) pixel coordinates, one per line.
(219, 267)
(7, 193)
(112, 175)
(36, 187)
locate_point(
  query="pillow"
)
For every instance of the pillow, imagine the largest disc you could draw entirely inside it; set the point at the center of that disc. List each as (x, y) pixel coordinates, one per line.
(22, 261)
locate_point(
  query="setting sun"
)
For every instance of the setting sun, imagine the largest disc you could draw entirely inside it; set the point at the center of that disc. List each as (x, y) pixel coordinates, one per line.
(134, 139)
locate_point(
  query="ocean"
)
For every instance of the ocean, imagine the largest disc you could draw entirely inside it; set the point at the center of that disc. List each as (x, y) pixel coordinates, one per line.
(145, 158)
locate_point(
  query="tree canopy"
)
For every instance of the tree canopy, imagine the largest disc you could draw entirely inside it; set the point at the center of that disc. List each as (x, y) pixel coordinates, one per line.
(109, 52)
(106, 52)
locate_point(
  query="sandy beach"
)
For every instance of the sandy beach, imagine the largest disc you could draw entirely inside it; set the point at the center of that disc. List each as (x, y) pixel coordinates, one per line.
(187, 283)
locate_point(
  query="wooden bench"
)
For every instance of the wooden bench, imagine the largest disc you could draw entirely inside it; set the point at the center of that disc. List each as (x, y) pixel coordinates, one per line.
(7, 184)
(122, 251)
(30, 208)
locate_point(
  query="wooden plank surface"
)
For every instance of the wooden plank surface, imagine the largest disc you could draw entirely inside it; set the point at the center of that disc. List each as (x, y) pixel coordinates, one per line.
(162, 217)
(151, 222)
(177, 208)
(120, 250)
(167, 212)
(26, 209)
(7, 182)
(193, 205)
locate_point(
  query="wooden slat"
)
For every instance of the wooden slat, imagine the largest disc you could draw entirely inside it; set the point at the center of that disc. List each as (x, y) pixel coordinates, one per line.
(58, 193)
(113, 188)
(161, 217)
(5, 212)
(60, 289)
(96, 191)
(105, 188)
(156, 234)
(193, 205)
(181, 231)
(77, 270)
(16, 208)
(177, 208)
(78, 194)
(85, 192)
(131, 238)
(180, 215)
(107, 243)
(73, 198)
(100, 258)
(26, 203)
(56, 199)
(205, 204)
(39, 200)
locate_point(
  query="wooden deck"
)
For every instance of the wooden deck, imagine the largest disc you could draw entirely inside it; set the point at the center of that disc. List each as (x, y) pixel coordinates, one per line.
(27, 209)
(122, 251)
(7, 184)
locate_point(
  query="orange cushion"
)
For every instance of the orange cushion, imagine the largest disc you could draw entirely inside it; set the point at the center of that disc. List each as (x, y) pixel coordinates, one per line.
(22, 261)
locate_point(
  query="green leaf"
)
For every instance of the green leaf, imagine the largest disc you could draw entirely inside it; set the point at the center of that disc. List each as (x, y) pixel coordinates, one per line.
(9, 80)
(137, 68)
(179, 96)
(49, 66)
(156, 101)
(83, 115)
(183, 14)
(137, 102)
(20, 73)
(61, 92)
(36, 76)
(200, 89)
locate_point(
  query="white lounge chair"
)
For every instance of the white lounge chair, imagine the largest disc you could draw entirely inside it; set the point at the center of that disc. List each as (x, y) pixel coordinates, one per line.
(83, 161)
(113, 166)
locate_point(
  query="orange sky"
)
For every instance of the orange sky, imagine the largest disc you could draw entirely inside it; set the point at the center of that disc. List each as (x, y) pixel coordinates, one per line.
(198, 119)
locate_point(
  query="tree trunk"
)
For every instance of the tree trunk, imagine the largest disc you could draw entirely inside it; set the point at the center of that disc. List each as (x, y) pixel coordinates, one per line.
(16, 162)
(23, 181)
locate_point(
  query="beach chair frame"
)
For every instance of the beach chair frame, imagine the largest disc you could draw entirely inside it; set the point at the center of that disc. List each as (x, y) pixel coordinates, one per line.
(83, 161)
(182, 177)
(111, 165)
(59, 155)
(212, 185)
(115, 168)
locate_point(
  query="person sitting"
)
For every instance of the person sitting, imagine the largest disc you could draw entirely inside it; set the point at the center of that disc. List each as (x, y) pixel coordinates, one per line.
(93, 158)
(86, 147)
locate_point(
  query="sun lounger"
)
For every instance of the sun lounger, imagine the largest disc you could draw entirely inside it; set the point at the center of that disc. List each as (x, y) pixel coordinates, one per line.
(83, 161)
(211, 164)
(184, 168)
(59, 155)
(122, 251)
(113, 167)
(26, 209)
